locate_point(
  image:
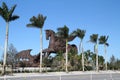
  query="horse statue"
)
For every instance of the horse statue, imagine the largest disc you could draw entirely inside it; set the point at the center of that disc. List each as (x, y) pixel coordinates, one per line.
(56, 44)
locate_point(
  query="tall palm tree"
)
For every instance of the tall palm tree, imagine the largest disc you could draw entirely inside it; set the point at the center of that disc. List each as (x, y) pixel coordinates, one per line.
(80, 34)
(63, 32)
(103, 40)
(94, 39)
(7, 15)
(38, 22)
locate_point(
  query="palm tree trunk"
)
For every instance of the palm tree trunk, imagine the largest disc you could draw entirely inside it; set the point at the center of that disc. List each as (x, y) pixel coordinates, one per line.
(96, 51)
(80, 48)
(41, 46)
(82, 55)
(66, 56)
(105, 57)
(83, 58)
(5, 48)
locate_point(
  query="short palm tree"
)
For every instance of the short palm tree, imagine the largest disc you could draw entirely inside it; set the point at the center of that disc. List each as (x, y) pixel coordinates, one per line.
(80, 34)
(94, 39)
(60, 60)
(63, 32)
(38, 22)
(87, 57)
(101, 61)
(103, 40)
(7, 15)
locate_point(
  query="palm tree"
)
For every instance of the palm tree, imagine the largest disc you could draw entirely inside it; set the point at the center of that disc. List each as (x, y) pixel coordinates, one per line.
(101, 61)
(38, 22)
(59, 60)
(80, 34)
(87, 56)
(94, 39)
(103, 40)
(7, 15)
(73, 60)
(63, 32)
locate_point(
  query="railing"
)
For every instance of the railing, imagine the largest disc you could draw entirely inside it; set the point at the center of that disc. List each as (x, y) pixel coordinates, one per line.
(29, 69)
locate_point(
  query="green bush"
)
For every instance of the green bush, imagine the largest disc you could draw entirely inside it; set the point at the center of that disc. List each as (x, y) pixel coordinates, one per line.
(88, 68)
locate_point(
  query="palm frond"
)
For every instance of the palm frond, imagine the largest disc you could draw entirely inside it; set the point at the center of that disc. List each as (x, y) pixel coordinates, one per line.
(63, 32)
(30, 25)
(81, 33)
(1, 11)
(14, 17)
(4, 7)
(37, 22)
(103, 40)
(6, 14)
(106, 44)
(12, 10)
(107, 38)
(93, 38)
(74, 33)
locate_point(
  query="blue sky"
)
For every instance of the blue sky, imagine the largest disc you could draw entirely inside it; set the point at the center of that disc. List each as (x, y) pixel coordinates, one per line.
(95, 16)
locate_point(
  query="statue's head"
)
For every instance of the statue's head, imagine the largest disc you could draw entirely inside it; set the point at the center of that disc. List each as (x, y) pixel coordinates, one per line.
(49, 33)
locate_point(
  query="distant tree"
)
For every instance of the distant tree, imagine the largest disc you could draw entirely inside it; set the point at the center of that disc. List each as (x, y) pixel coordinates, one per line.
(73, 60)
(38, 22)
(87, 56)
(117, 64)
(112, 62)
(58, 61)
(93, 56)
(8, 16)
(90, 59)
(79, 65)
(103, 40)
(101, 62)
(11, 57)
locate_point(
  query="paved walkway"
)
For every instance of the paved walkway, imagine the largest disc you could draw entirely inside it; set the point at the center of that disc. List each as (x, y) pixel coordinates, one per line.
(58, 73)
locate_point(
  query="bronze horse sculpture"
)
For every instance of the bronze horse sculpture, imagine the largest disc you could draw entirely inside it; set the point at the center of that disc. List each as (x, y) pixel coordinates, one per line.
(56, 44)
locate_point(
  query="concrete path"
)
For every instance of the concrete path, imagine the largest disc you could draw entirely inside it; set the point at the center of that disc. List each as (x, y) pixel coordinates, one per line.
(57, 73)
